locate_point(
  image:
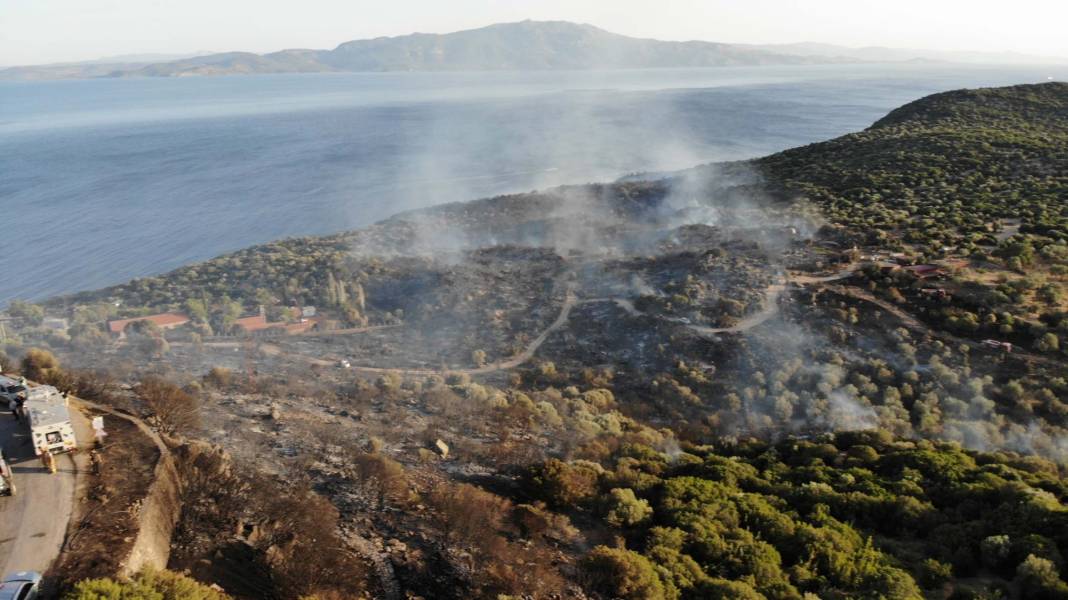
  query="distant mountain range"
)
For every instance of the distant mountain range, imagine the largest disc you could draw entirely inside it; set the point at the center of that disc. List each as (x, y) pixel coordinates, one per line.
(528, 45)
(883, 54)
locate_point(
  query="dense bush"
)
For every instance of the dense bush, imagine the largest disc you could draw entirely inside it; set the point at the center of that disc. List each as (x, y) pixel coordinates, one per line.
(147, 585)
(857, 515)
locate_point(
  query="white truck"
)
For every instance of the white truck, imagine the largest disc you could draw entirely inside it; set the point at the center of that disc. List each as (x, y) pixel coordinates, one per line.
(49, 420)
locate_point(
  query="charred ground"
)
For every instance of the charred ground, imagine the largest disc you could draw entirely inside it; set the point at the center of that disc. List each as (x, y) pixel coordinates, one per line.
(629, 380)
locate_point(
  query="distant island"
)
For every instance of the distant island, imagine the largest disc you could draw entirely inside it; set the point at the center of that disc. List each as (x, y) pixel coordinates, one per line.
(527, 45)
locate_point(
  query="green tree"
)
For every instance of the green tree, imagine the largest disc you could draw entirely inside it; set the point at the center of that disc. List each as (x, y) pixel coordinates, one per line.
(1049, 342)
(197, 310)
(625, 509)
(622, 573)
(1038, 579)
(146, 585)
(722, 589)
(32, 313)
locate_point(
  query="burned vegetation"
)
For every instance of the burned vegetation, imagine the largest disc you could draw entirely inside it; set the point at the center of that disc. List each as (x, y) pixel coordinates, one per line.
(828, 373)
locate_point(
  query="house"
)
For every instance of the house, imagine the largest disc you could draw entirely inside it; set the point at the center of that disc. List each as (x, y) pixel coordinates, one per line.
(168, 320)
(258, 324)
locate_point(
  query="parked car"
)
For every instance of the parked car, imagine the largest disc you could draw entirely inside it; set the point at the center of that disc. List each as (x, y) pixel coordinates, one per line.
(23, 585)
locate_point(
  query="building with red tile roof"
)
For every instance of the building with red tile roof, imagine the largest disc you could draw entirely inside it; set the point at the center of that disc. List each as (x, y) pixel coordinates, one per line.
(254, 323)
(168, 320)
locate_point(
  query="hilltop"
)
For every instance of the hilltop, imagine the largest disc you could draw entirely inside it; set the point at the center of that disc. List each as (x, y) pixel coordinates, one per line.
(942, 171)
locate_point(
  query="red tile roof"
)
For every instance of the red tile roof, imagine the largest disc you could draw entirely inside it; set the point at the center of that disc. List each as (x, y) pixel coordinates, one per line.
(164, 320)
(254, 323)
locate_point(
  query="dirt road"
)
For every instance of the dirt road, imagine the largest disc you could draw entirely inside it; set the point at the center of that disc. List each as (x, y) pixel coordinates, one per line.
(34, 520)
(911, 322)
(769, 309)
(565, 312)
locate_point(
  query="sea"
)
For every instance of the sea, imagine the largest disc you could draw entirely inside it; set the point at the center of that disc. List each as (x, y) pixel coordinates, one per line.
(104, 180)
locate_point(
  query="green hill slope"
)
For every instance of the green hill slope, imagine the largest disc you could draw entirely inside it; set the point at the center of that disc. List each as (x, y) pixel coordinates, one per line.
(944, 169)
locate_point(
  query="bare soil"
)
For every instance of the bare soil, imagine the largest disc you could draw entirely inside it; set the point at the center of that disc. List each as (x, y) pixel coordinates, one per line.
(101, 535)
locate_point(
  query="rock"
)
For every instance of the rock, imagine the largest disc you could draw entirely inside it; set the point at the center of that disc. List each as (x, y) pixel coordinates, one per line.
(442, 448)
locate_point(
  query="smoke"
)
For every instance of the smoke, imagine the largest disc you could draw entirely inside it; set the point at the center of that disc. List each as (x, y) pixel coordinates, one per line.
(637, 237)
(847, 413)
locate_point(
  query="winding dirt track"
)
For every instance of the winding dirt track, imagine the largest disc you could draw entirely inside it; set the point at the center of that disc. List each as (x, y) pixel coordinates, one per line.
(565, 312)
(768, 311)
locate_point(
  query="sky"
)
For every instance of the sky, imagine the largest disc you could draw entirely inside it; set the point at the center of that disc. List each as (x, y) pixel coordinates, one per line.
(44, 31)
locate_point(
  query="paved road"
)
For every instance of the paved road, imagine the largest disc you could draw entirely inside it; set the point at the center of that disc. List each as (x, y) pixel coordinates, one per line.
(34, 521)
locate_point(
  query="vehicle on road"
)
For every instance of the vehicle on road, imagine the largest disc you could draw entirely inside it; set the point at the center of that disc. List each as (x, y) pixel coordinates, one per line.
(23, 585)
(49, 420)
(10, 389)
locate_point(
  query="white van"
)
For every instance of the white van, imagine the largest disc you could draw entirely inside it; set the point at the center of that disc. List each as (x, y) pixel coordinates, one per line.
(49, 421)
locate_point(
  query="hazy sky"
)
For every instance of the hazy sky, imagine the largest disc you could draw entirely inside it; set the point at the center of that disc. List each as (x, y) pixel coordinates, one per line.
(38, 31)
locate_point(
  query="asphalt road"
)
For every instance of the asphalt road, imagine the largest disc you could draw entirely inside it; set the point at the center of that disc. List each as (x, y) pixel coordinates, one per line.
(34, 521)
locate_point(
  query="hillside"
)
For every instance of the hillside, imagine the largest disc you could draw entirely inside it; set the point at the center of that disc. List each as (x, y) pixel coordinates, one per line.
(531, 45)
(834, 372)
(528, 45)
(942, 171)
(883, 54)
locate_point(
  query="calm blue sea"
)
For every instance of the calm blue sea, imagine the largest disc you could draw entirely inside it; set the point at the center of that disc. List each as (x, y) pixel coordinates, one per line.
(105, 180)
